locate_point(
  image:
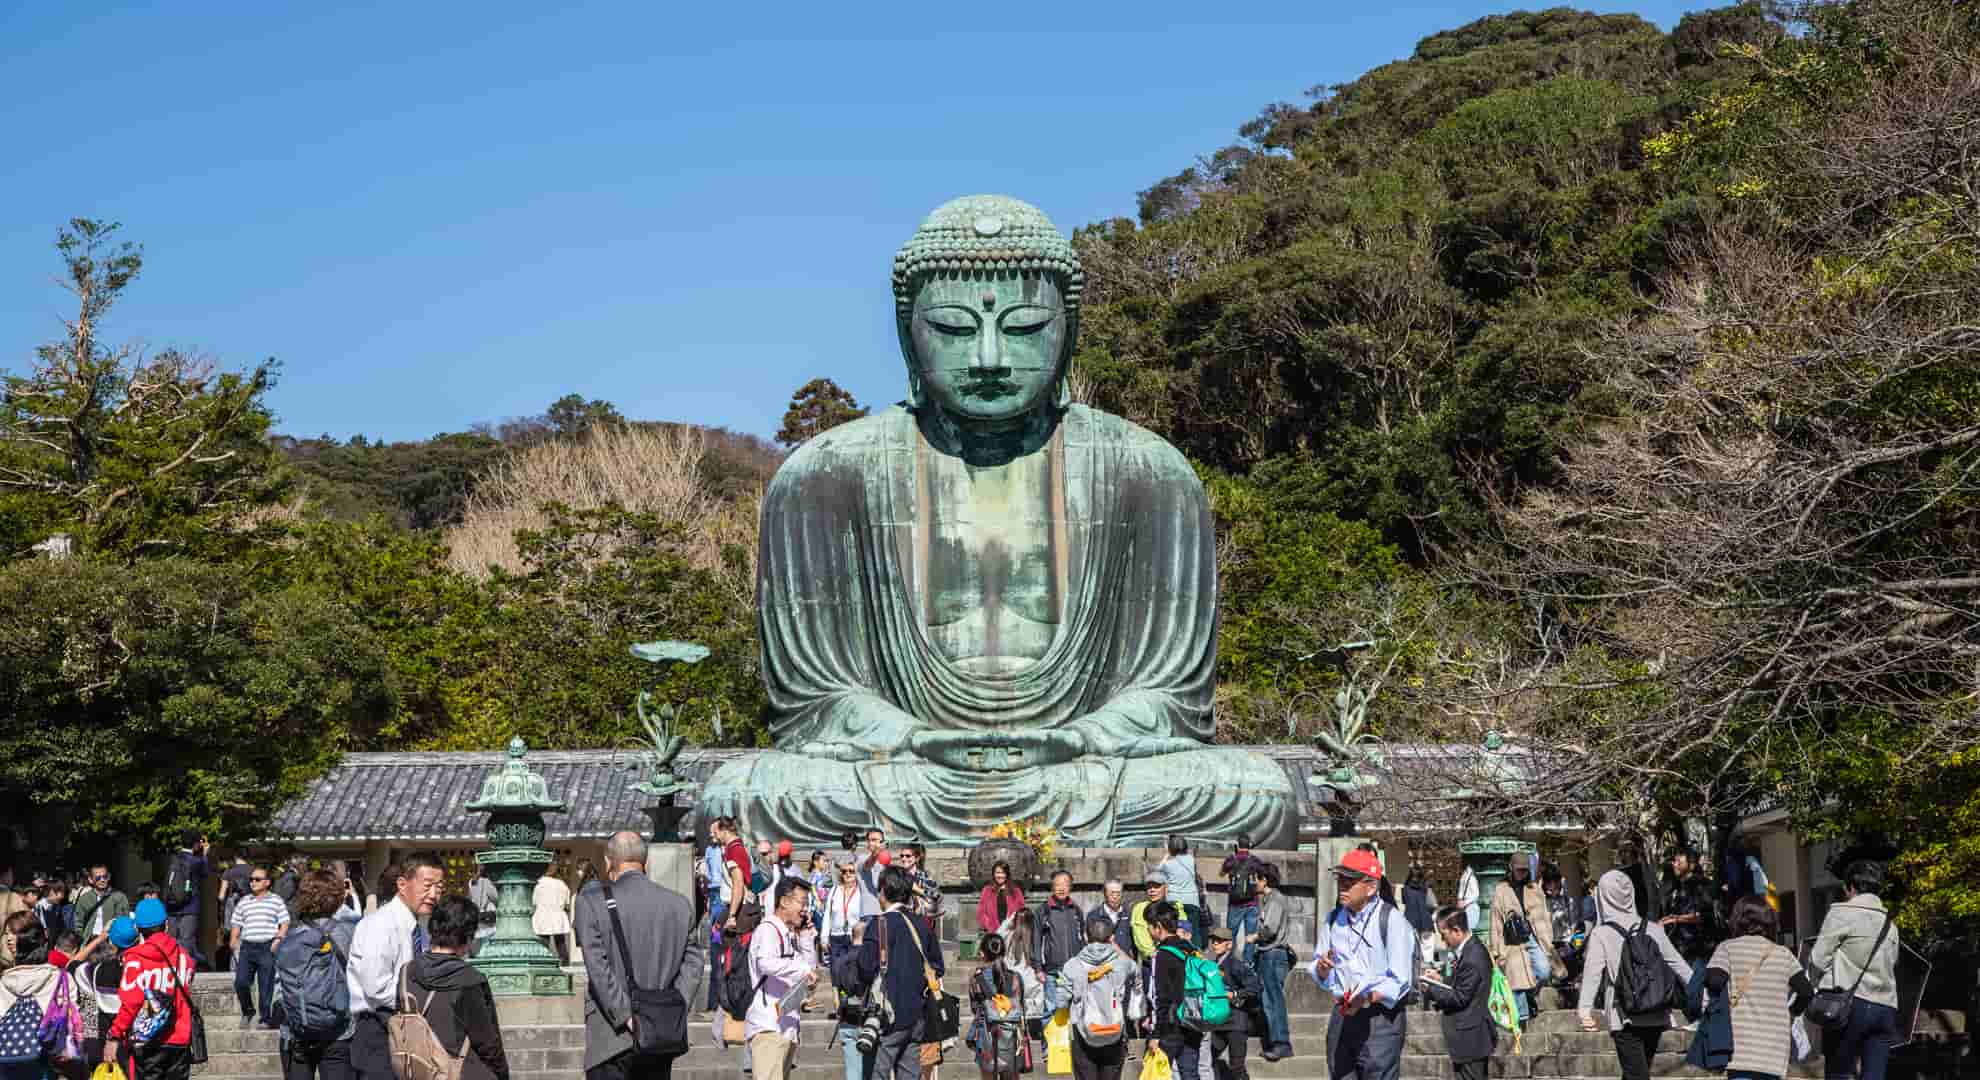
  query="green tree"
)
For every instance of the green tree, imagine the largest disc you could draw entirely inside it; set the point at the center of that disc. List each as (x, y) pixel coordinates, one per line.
(818, 406)
(171, 693)
(570, 416)
(131, 454)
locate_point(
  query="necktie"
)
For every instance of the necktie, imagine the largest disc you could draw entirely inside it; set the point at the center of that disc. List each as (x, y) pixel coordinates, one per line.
(419, 940)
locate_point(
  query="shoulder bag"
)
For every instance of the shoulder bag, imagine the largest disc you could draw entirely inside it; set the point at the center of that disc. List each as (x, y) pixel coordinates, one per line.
(1515, 930)
(196, 1049)
(1831, 1006)
(1740, 988)
(659, 1017)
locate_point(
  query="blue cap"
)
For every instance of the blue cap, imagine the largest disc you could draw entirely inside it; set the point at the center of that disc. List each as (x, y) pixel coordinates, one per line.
(123, 932)
(150, 913)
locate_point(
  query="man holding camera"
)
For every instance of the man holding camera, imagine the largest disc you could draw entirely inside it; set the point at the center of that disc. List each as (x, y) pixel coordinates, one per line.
(899, 988)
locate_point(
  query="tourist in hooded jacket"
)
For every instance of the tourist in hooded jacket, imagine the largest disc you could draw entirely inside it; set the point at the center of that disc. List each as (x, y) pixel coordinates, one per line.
(454, 996)
(1103, 969)
(1635, 1041)
(32, 976)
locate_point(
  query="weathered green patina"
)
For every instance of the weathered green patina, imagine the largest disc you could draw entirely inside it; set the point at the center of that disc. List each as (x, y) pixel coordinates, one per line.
(515, 798)
(989, 603)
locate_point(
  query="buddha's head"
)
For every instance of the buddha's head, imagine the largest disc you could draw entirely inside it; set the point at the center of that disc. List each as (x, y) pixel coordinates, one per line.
(986, 298)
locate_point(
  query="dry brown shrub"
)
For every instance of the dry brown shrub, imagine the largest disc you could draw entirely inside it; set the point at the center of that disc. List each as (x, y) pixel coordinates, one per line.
(647, 469)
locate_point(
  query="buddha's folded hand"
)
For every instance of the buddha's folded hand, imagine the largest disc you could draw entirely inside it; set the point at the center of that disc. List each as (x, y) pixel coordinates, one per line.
(835, 751)
(996, 751)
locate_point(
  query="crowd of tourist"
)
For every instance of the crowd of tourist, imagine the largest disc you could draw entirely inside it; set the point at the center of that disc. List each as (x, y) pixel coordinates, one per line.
(855, 935)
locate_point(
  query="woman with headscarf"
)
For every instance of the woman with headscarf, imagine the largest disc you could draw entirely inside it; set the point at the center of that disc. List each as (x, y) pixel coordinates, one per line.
(1636, 1037)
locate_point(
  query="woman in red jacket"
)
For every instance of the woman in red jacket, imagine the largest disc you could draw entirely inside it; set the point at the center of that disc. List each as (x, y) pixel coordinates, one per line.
(1001, 897)
(156, 964)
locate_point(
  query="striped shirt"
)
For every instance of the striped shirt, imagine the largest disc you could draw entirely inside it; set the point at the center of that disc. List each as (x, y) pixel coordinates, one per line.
(260, 918)
(1758, 972)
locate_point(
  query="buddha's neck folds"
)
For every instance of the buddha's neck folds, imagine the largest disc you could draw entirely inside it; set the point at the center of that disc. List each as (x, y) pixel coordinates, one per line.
(986, 444)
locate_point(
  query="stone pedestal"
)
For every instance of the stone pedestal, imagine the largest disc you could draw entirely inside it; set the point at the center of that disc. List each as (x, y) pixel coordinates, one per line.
(1327, 854)
(669, 860)
(672, 866)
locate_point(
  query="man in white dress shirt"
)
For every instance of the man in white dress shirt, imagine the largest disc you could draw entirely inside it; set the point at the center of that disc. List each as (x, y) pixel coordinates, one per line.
(386, 941)
(782, 955)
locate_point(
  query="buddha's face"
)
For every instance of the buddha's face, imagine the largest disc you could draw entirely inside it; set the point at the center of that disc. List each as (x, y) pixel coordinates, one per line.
(988, 348)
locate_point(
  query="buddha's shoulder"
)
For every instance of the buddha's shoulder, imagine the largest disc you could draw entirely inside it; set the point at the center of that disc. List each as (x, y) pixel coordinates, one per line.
(1105, 429)
(852, 446)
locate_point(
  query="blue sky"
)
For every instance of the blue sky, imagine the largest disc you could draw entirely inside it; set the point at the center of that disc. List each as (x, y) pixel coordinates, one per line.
(437, 214)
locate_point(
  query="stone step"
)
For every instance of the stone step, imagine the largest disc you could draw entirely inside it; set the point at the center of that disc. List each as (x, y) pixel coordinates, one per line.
(820, 1063)
(558, 1050)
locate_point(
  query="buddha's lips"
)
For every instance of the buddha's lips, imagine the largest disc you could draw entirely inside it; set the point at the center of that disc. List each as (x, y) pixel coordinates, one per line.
(990, 388)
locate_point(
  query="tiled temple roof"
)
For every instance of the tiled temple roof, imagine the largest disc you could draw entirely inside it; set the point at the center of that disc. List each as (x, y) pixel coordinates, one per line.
(417, 796)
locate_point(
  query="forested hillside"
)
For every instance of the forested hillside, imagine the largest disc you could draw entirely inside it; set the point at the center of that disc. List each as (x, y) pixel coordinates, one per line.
(1622, 386)
(1619, 386)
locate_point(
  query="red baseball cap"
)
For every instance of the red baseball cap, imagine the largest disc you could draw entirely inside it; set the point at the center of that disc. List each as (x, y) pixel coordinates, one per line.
(886, 857)
(1360, 863)
(783, 849)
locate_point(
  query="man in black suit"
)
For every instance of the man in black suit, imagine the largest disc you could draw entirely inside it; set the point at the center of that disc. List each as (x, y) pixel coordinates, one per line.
(909, 941)
(666, 949)
(1468, 1031)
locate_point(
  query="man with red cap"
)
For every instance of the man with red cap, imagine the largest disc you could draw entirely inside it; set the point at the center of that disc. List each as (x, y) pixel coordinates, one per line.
(1366, 959)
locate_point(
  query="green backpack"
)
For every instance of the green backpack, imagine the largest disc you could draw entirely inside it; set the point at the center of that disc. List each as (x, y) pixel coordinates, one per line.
(1206, 1004)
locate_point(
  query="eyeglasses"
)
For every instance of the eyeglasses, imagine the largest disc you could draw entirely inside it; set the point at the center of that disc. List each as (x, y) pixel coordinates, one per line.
(257, 877)
(99, 877)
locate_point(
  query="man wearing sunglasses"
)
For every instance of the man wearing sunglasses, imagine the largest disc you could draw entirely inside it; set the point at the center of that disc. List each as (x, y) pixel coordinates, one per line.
(259, 923)
(98, 905)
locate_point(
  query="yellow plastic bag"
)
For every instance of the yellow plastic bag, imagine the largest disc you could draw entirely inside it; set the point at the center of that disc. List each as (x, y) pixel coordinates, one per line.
(1155, 1065)
(1058, 1044)
(109, 1070)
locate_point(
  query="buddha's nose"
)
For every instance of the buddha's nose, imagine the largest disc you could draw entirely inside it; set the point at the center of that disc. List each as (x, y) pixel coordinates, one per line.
(990, 352)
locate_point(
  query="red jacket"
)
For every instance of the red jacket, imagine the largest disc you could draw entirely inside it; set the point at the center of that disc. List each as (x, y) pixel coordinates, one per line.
(149, 965)
(986, 905)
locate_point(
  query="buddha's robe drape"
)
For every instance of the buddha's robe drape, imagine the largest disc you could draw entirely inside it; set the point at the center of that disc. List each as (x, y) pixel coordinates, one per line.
(851, 671)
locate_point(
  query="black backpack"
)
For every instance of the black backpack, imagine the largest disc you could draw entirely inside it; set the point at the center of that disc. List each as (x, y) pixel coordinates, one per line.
(178, 880)
(1244, 883)
(1646, 989)
(736, 990)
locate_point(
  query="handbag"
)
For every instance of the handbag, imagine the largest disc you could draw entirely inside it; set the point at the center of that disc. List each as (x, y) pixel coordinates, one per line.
(1516, 930)
(1831, 1006)
(659, 1017)
(941, 1013)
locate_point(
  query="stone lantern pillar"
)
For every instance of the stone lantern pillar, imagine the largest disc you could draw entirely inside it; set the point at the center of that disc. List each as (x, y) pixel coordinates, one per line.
(515, 798)
(1487, 857)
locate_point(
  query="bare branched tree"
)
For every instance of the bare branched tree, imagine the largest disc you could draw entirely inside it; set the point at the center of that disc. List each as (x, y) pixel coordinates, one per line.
(1767, 558)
